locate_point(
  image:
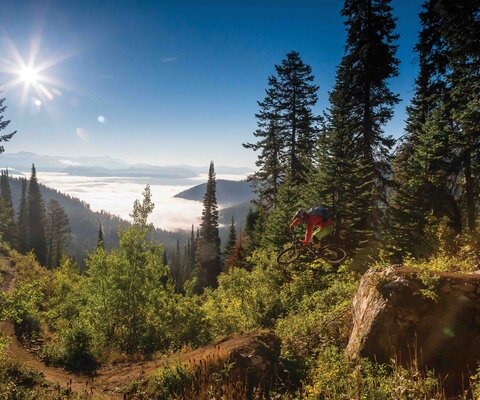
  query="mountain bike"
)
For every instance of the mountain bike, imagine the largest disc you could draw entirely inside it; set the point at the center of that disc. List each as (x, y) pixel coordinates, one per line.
(309, 252)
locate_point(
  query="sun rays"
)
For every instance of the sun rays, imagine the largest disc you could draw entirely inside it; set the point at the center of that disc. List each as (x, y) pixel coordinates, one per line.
(30, 74)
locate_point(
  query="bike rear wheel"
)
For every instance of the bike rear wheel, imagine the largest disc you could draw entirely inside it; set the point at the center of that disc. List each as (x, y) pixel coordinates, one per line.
(333, 254)
(288, 255)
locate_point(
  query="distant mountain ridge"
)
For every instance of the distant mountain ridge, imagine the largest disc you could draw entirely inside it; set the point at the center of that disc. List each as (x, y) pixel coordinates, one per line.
(106, 166)
(227, 192)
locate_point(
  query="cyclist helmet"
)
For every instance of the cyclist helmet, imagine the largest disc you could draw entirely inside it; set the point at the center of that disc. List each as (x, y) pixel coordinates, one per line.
(301, 214)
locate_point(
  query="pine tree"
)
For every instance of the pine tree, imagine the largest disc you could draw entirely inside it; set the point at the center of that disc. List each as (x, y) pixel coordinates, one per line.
(355, 152)
(8, 228)
(236, 257)
(100, 240)
(270, 162)
(57, 233)
(461, 29)
(253, 230)
(232, 238)
(3, 125)
(36, 219)
(22, 221)
(436, 168)
(192, 249)
(208, 264)
(410, 205)
(287, 128)
(176, 268)
(276, 230)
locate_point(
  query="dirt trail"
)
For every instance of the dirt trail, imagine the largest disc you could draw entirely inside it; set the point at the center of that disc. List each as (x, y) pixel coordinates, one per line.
(109, 382)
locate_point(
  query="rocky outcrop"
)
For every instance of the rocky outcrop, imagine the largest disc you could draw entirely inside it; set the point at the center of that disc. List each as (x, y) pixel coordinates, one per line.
(434, 321)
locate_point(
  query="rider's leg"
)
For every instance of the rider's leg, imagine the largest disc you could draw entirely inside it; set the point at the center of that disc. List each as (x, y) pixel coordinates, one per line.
(320, 233)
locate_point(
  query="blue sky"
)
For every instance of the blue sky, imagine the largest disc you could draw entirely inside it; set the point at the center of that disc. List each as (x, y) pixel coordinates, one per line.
(169, 82)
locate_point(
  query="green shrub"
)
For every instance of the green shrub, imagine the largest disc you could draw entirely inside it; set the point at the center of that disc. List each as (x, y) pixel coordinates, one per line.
(170, 381)
(336, 378)
(244, 301)
(71, 349)
(18, 382)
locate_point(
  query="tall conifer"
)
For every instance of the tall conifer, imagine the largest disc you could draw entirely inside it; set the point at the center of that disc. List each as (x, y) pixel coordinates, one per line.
(287, 128)
(232, 238)
(57, 233)
(3, 125)
(436, 167)
(8, 228)
(36, 219)
(355, 152)
(22, 221)
(208, 264)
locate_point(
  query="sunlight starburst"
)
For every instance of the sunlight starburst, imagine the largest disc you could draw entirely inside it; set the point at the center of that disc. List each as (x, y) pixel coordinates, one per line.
(29, 74)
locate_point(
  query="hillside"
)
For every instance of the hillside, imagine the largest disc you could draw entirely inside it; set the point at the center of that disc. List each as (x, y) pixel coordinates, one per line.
(228, 192)
(85, 223)
(238, 212)
(253, 352)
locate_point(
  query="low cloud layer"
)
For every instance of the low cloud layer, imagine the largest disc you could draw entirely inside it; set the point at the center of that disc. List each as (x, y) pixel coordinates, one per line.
(117, 196)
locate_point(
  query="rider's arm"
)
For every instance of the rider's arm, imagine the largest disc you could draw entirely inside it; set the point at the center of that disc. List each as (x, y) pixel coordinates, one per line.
(295, 222)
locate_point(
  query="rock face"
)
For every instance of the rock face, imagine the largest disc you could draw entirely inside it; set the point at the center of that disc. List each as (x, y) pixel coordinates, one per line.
(396, 315)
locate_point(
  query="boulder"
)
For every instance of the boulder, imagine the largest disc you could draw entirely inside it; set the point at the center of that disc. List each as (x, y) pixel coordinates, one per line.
(434, 321)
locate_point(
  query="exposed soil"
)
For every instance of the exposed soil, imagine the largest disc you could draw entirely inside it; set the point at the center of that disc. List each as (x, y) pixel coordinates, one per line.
(110, 382)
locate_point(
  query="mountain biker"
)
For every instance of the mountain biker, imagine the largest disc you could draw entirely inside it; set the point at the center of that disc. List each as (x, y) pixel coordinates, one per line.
(315, 217)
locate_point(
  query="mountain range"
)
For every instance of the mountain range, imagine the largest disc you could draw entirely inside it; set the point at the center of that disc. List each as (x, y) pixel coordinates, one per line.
(107, 166)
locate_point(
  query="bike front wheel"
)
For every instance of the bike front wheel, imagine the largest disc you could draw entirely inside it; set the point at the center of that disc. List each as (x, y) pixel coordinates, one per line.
(333, 254)
(288, 255)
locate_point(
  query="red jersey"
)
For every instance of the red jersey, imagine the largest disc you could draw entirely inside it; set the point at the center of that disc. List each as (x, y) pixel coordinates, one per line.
(312, 220)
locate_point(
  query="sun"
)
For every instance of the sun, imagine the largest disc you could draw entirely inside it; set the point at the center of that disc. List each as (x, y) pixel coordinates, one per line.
(28, 75)
(31, 74)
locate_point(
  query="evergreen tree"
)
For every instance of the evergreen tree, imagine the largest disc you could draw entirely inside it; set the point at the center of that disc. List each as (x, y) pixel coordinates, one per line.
(253, 230)
(208, 264)
(236, 257)
(410, 205)
(176, 269)
(100, 240)
(287, 128)
(192, 248)
(232, 238)
(3, 125)
(22, 221)
(436, 168)
(57, 233)
(461, 29)
(8, 228)
(36, 219)
(165, 258)
(354, 156)
(276, 229)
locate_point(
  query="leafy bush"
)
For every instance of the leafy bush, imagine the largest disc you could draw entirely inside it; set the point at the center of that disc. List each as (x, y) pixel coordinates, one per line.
(72, 349)
(18, 382)
(23, 307)
(320, 317)
(244, 300)
(170, 381)
(335, 378)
